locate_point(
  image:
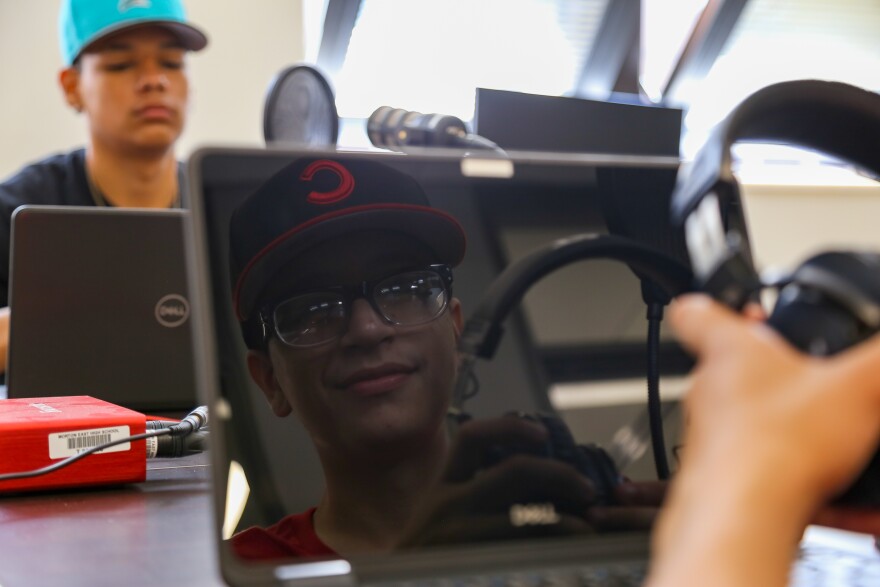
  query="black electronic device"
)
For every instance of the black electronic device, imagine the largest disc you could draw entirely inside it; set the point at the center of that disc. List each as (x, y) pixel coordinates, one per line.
(546, 198)
(121, 331)
(504, 215)
(832, 300)
(534, 122)
(300, 109)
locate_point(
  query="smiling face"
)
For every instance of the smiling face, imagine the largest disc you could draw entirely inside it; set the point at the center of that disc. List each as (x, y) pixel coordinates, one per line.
(133, 89)
(377, 385)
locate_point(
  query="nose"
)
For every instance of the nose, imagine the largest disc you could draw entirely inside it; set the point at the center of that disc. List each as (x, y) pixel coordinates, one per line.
(365, 326)
(152, 76)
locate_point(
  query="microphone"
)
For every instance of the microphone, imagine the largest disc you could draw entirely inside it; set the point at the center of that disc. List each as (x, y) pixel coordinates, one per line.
(397, 129)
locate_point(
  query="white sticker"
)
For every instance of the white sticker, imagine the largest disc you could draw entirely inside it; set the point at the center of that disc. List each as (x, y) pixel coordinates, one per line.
(475, 167)
(67, 444)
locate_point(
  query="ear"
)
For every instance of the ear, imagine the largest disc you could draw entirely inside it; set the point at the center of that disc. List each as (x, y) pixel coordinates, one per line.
(68, 79)
(263, 373)
(457, 320)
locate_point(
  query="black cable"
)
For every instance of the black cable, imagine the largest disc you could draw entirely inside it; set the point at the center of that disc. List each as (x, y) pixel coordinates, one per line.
(191, 423)
(655, 416)
(176, 446)
(72, 459)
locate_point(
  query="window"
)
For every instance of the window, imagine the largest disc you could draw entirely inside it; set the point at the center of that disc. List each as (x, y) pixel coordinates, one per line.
(702, 55)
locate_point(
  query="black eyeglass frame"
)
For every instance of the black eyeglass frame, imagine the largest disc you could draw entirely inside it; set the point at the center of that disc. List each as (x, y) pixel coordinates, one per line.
(266, 314)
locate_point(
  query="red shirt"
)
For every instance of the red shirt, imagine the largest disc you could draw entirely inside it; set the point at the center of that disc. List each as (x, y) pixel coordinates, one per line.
(292, 536)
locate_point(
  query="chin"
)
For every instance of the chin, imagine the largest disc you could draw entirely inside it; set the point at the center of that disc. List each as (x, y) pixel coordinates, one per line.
(160, 139)
(411, 433)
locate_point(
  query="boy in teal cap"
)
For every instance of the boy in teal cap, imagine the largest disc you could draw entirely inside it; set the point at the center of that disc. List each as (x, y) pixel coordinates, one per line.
(124, 71)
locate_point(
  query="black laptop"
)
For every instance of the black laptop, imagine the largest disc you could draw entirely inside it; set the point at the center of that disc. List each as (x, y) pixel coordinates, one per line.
(265, 467)
(100, 306)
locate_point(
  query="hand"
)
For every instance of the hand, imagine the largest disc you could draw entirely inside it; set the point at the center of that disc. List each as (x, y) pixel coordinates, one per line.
(758, 402)
(636, 506)
(772, 434)
(477, 501)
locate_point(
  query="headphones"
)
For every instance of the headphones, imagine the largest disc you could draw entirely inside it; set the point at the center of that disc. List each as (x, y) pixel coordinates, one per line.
(483, 331)
(832, 300)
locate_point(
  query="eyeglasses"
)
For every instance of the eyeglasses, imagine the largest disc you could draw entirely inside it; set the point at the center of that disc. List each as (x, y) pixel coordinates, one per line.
(317, 317)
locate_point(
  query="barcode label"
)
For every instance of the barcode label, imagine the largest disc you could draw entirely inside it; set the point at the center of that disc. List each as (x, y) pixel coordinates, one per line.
(67, 444)
(87, 441)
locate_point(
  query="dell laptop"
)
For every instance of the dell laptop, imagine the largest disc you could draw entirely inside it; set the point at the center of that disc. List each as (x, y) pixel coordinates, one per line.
(265, 467)
(100, 306)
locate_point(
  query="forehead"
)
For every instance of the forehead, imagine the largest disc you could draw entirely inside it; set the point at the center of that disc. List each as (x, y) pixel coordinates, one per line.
(134, 38)
(351, 259)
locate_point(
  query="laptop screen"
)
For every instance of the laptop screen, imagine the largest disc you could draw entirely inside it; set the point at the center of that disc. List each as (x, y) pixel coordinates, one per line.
(277, 469)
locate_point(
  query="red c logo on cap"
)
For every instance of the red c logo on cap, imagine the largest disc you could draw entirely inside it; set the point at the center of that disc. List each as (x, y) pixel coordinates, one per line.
(340, 192)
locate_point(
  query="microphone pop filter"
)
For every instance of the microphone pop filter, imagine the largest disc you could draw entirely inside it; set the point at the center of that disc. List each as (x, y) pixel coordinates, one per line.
(300, 109)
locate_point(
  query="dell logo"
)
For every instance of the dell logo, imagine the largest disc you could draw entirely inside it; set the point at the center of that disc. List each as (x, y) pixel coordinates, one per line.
(172, 310)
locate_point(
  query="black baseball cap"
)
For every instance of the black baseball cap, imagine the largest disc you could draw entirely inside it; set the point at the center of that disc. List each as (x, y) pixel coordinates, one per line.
(316, 199)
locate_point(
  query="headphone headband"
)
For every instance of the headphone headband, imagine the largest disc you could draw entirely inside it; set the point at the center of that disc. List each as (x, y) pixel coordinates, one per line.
(831, 117)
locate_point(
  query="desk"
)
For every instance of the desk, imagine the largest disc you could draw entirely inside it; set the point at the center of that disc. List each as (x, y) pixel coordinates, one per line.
(159, 532)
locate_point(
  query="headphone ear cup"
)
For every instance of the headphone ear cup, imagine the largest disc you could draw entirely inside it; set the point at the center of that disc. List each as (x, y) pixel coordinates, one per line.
(832, 302)
(810, 321)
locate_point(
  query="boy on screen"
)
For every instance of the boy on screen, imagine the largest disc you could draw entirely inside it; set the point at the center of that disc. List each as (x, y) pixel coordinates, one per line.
(342, 283)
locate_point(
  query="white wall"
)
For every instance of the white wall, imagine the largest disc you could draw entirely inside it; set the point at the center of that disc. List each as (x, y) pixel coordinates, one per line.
(249, 43)
(789, 223)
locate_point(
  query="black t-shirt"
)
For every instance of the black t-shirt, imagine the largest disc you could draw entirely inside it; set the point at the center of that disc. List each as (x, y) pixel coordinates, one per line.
(59, 180)
(56, 180)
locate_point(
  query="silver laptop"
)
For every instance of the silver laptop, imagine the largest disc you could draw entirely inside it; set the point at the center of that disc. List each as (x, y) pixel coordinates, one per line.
(100, 307)
(265, 467)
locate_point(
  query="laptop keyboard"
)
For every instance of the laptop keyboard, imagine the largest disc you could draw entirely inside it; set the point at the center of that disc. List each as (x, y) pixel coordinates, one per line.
(817, 565)
(827, 558)
(827, 566)
(630, 574)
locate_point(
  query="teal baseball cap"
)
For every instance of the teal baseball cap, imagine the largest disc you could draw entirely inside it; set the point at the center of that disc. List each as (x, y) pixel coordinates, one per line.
(82, 22)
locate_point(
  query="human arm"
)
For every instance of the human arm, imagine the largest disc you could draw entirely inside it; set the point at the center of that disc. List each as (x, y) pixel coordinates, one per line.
(772, 435)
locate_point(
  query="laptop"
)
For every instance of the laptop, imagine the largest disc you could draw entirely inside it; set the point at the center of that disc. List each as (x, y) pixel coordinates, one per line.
(506, 208)
(265, 467)
(100, 306)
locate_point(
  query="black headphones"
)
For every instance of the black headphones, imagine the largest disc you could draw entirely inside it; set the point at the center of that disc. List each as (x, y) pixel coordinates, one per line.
(832, 300)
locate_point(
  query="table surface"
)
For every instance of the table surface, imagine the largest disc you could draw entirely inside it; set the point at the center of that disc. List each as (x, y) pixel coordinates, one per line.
(159, 532)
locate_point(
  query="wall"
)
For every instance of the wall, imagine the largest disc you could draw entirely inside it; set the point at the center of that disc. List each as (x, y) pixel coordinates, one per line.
(791, 222)
(229, 78)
